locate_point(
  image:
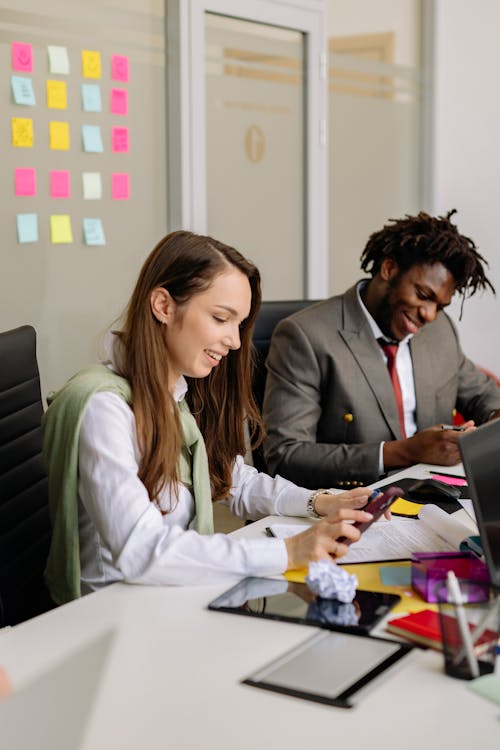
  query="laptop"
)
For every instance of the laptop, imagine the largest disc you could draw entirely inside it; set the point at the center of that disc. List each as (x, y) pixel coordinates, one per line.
(480, 451)
(53, 710)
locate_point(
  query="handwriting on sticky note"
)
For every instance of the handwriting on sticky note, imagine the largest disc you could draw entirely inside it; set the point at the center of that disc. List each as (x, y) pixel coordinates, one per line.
(60, 229)
(27, 228)
(119, 101)
(119, 68)
(91, 64)
(59, 135)
(56, 95)
(22, 132)
(22, 57)
(22, 90)
(120, 186)
(58, 60)
(119, 139)
(25, 180)
(93, 232)
(59, 183)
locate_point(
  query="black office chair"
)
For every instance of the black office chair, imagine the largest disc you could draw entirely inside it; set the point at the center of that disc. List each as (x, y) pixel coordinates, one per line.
(269, 316)
(24, 512)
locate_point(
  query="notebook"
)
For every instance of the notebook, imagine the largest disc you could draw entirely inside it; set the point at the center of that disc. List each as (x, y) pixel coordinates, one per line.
(480, 451)
(52, 711)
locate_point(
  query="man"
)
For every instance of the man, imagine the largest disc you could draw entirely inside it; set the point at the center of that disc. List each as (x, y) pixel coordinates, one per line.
(334, 413)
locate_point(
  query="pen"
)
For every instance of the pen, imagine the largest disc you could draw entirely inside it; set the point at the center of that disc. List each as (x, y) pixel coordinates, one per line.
(481, 628)
(455, 597)
(455, 427)
(270, 532)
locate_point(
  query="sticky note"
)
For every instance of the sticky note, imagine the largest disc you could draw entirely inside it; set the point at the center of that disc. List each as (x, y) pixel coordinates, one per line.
(27, 228)
(91, 97)
(92, 185)
(93, 232)
(395, 576)
(58, 60)
(488, 686)
(405, 507)
(25, 180)
(119, 139)
(454, 481)
(92, 140)
(59, 184)
(120, 186)
(59, 135)
(119, 68)
(60, 229)
(91, 64)
(22, 90)
(22, 132)
(56, 95)
(22, 57)
(119, 101)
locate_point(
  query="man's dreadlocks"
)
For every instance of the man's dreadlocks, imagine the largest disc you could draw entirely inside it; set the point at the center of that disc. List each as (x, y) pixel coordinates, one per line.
(424, 239)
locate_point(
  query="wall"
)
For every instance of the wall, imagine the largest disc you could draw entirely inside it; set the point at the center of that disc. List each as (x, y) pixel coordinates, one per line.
(467, 156)
(71, 292)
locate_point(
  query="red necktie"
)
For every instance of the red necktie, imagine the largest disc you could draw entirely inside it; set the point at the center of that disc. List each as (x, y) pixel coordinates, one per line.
(390, 351)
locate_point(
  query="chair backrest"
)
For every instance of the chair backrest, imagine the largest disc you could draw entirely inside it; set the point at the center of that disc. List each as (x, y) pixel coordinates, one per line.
(24, 512)
(269, 316)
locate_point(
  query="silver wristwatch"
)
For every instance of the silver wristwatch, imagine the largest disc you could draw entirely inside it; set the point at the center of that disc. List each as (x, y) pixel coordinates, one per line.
(311, 502)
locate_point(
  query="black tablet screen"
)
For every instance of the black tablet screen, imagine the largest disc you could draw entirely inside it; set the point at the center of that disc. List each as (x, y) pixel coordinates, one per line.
(295, 602)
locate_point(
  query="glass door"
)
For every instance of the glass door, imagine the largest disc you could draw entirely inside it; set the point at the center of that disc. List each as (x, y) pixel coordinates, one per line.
(247, 131)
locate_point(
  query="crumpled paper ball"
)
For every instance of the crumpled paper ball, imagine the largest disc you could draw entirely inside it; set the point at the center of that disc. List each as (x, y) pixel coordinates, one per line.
(329, 581)
(333, 612)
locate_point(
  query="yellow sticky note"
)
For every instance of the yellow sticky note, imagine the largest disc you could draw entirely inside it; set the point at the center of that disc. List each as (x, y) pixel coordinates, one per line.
(59, 135)
(405, 507)
(56, 95)
(91, 64)
(22, 132)
(60, 229)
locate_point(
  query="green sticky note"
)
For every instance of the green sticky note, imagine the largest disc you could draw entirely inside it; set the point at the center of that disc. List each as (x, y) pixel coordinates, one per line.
(488, 686)
(391, 575)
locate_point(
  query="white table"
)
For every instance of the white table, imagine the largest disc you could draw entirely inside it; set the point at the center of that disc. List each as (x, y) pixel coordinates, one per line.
(173, 680)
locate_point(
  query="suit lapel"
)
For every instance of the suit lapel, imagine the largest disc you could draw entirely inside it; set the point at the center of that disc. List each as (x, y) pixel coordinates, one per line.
(359, 339)
(422, 374)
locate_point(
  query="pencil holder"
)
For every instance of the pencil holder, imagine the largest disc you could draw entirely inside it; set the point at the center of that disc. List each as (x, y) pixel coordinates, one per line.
(429, 569)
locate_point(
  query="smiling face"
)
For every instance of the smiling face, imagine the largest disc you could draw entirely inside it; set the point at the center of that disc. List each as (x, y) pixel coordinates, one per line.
(410, 299)
(200, 332)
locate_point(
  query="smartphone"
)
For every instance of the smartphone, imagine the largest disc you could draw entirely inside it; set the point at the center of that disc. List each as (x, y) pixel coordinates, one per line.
(454, 427)
(377, 504)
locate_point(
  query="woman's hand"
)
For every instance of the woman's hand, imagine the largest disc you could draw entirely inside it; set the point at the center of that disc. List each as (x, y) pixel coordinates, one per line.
(320, 541)
(325, 504)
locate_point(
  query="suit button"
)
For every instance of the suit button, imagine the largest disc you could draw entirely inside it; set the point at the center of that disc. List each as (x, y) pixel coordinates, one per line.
(348, 417)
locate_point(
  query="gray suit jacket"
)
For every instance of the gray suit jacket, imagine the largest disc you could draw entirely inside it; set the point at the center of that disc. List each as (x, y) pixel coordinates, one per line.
(329, 401)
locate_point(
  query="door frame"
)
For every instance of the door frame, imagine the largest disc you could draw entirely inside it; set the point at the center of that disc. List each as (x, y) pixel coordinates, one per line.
(186, 121)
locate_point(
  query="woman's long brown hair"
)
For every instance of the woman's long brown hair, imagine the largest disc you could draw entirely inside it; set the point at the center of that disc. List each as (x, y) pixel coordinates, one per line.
(186, 264)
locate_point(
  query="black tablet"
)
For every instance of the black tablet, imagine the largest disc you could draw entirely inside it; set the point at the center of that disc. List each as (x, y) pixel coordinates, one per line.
(295, 602)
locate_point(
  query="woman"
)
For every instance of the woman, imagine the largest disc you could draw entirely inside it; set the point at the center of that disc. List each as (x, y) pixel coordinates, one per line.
(123, 443)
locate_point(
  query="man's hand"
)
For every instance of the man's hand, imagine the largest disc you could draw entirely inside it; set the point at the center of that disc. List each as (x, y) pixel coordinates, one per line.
(434, 445)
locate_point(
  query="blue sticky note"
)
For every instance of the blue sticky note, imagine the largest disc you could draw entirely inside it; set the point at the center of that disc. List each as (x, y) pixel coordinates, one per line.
(395, 575)
(22, 90)
(27, 227)
(91, 97)
(92, 140)
(93, 232)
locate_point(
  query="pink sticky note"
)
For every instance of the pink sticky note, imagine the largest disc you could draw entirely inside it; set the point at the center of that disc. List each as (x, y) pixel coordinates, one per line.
(119, 101)
(119, 139)
(119, 68)
(25, 181)
(22, 57)
(120, 186)
(455, 481)
(59, 184)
